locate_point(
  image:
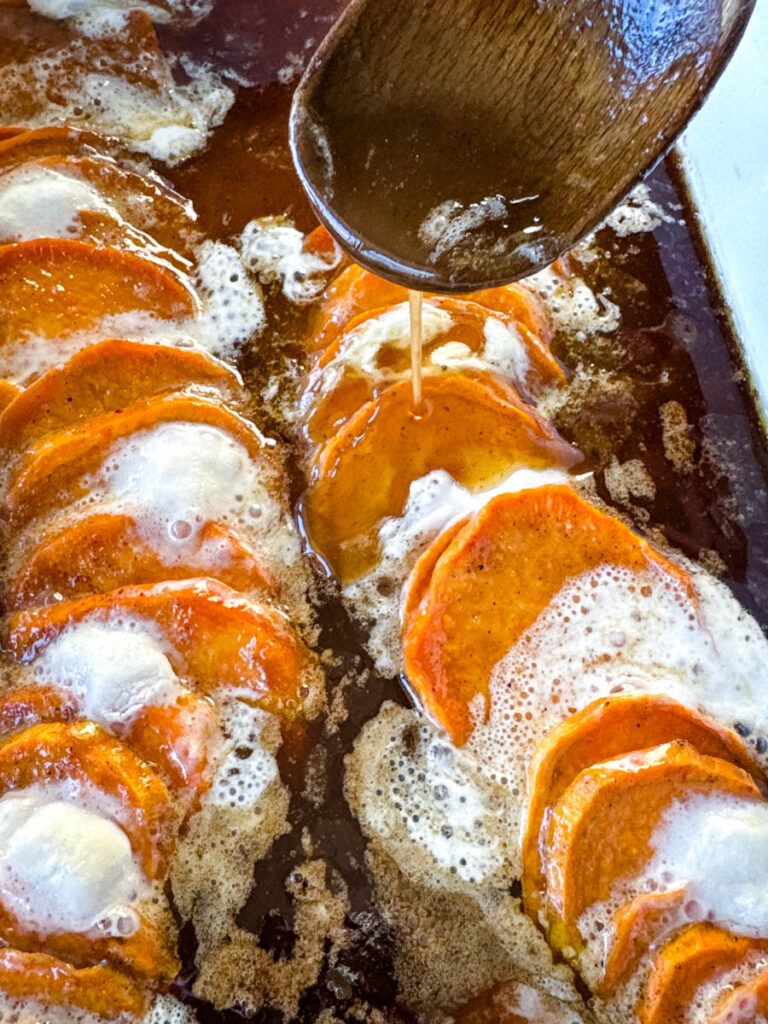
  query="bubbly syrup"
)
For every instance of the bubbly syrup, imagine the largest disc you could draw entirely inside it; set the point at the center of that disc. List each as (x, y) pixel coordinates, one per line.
(672, 351)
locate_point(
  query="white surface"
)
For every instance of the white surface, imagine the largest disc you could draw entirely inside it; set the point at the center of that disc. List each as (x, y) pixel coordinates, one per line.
(64, 868)
(725, 154)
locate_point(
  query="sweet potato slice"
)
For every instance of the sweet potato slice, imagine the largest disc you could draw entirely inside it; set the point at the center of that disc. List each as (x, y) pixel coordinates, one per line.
(607, 729)
(26, 705)
(700, 954)
(337, 389)
(743, 1004)
(601, 830)
(54, 471)
(53, 288)
(494, 580)
(173, 738)
(105, 552)
(56, 141)
(146, 954)
(216, 636)
(636, 927)
(82, 751)
(108, 377)
(10, 132)
(99, 990)
(352, 292)
(8, 393)
(476, 432)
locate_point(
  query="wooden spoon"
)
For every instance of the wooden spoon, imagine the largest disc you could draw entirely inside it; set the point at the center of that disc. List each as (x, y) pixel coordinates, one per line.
(451, 145)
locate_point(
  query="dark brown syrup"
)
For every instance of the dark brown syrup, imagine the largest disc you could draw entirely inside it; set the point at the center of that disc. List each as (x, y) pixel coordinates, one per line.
(673, 346)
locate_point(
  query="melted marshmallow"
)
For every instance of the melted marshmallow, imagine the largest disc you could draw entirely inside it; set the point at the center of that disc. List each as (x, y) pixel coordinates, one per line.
(112, 673)
(718, 848)
(40, 203)
(64, 868)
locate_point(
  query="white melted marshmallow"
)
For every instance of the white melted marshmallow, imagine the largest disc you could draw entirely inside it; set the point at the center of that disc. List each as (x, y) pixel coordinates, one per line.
(717, 847)
(112, 673)
(40, 203)
(64, 868)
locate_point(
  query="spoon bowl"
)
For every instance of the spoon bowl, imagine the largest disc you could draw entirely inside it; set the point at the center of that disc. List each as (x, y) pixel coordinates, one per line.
(452, 145)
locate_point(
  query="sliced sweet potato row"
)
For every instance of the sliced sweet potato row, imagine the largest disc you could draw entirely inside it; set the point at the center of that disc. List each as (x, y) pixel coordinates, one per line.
(743, 1004)
(330, 408)
(605, 730)
(100, 990)
(173, 738)
(699, 955)
(105, 552)
(108, 377)
(54, 471)
(601, 829)
(146, 955)
(475, 431)
(216, 636)
(82, 751)
(8, 393)
(492, 583)
(636, 927)
(55, 287)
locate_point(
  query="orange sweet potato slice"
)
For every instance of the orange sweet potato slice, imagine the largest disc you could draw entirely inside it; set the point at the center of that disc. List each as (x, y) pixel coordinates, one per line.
(9, 132)
(174, 738)
(100, 990)
(743, 1004)
(145, 955)
(26, 705)
(8, 393)
(601, 830)
(53, 288)
(607, 729)
(216, 636)
(108, 377)
(352, 292)
(177, 739)
(104, 552)
(492, 583)
(636, 927)
(331, 407)
(476, 432)
(82, 751)
(699, 955)
(54, 471)
(56, 141)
